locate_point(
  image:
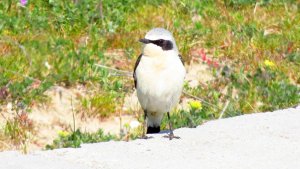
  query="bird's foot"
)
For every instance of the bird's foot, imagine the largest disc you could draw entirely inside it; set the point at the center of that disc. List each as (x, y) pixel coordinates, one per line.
(146, 137)
(171, 136)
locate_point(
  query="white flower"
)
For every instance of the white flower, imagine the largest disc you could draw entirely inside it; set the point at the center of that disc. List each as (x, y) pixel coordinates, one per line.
(134, 124)
(47, 65)
(9, 106)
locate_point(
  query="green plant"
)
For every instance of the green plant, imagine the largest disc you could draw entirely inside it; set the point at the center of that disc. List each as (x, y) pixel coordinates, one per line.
(195, 115)
(102, 105)
(19, 130)
(76, 138)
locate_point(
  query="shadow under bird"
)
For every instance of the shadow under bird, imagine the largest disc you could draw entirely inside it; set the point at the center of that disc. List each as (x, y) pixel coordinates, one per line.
(158, 78)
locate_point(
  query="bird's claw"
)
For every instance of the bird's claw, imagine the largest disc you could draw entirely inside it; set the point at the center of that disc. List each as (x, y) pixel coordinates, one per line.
(171, 136)
(146, 137)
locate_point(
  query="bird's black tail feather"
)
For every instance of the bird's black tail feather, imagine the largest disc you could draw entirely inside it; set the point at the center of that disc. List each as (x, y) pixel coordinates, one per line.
(151, 130)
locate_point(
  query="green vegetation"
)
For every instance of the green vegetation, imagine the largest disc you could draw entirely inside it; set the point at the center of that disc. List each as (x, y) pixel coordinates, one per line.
(76, 138)
(18, 131)
(253, 46)
(99, 105)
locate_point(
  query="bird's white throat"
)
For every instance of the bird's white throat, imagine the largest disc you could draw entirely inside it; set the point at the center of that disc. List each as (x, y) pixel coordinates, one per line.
(152, 50)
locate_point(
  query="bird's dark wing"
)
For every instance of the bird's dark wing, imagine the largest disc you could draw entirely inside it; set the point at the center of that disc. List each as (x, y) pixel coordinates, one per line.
(180, 57)
(135, 66)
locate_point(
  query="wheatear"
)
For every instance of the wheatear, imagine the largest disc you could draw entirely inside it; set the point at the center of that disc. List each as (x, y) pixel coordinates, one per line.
(158, 77)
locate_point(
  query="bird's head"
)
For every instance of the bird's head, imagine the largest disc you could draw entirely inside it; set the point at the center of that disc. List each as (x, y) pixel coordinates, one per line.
(157, 42)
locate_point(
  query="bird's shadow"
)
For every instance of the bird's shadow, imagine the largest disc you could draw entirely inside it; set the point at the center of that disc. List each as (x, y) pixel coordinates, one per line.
(150, 136)
(164, 132)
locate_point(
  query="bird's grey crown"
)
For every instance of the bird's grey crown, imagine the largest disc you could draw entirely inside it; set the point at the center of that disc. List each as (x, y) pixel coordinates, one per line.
(161, 33)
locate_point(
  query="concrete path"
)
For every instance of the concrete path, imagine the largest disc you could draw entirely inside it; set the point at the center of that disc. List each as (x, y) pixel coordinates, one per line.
(257, 141)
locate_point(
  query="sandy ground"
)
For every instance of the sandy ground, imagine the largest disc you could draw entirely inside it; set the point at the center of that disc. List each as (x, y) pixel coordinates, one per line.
(57, 115)
(261, 141)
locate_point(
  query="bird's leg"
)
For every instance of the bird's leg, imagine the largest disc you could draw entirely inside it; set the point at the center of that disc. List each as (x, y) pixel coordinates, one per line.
(171, 134)
(144, 124)
(144, 136)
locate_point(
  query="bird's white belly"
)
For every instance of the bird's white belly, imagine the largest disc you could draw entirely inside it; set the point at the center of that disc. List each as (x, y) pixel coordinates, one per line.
(159, 86)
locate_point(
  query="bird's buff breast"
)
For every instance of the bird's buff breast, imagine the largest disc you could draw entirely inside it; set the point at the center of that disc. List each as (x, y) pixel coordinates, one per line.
(159, 83)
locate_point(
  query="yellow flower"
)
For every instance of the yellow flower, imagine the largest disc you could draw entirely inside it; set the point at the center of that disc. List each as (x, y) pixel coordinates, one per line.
(63, 133)
(269, 63)
(6, 32)
(195, 105)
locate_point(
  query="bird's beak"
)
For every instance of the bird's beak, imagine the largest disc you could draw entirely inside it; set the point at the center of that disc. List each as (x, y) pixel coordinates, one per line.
(145, 41)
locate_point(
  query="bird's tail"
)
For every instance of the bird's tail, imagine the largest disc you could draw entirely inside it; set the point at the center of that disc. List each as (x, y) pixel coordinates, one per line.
(153, 122)
(151, 130)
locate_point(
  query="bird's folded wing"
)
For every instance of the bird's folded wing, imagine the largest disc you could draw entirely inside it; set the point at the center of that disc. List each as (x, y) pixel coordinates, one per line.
(135, 66)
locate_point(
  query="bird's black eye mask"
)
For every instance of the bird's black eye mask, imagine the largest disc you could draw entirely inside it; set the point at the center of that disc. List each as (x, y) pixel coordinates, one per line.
(164, 44)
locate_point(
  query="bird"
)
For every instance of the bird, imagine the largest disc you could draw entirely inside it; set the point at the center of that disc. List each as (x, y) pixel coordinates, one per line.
(158, 74)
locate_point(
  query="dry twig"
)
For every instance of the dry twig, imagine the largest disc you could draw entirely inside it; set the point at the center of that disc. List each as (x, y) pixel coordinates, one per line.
(121, 72)
(224, 109)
